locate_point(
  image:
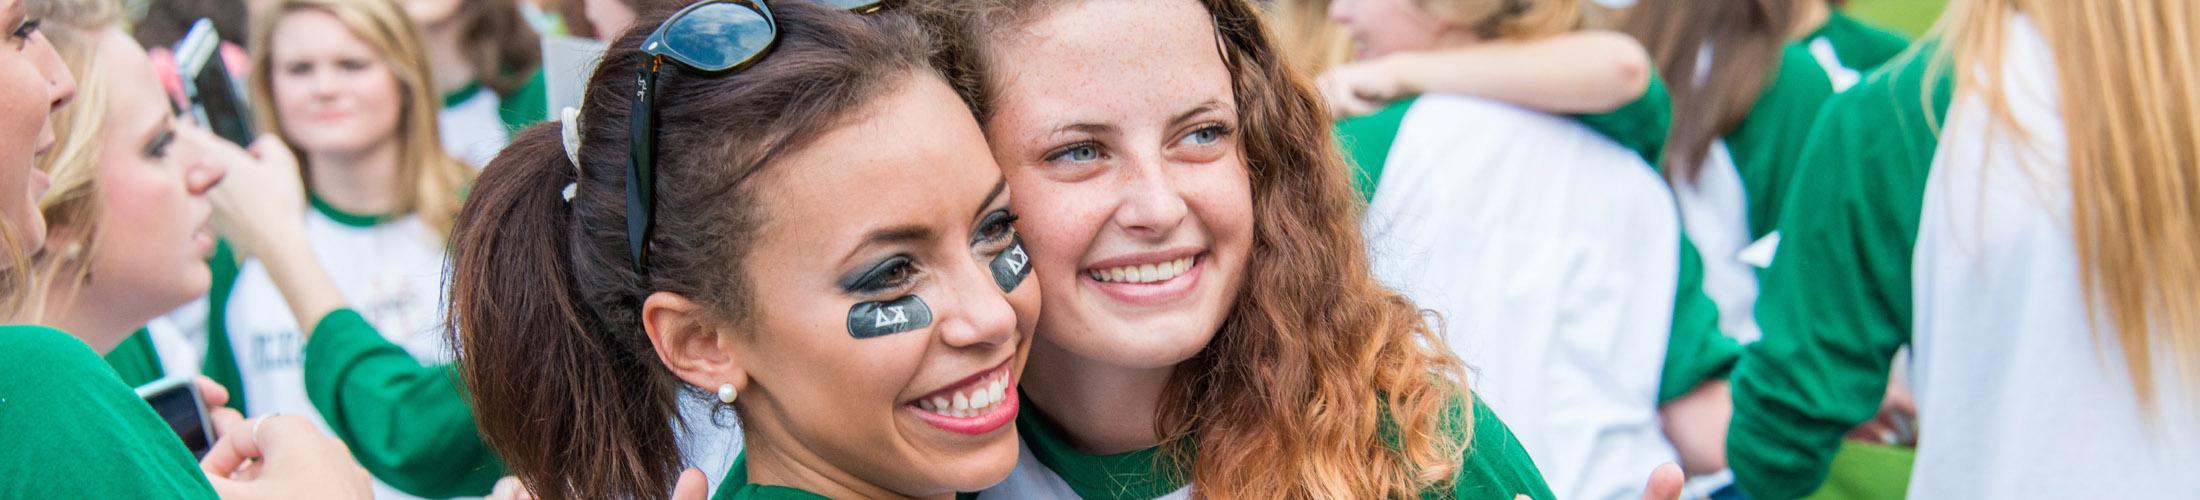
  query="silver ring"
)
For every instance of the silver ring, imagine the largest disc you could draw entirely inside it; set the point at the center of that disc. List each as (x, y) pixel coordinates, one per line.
(256, 428)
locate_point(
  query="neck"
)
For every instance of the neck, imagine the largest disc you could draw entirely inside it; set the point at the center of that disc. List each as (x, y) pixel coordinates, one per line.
(1105, 409)
(360, 182)
(796, 466)
(101, 320)
(447, 58)
(1809, 16)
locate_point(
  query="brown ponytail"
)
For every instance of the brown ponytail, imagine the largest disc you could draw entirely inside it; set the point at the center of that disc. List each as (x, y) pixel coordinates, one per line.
(565, 385)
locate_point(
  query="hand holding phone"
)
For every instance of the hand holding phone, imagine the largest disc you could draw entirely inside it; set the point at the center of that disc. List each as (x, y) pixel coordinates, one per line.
(215, 101)
(181, 406)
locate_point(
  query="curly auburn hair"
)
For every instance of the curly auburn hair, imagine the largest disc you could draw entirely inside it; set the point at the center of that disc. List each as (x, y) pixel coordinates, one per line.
(1322, 383)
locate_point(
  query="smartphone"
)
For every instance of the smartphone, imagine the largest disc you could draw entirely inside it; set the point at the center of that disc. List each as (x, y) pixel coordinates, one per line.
(213, 99)
(179, 404)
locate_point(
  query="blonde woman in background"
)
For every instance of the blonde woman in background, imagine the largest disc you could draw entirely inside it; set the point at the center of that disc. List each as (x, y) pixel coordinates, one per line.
(345, 86)
(2014, 202)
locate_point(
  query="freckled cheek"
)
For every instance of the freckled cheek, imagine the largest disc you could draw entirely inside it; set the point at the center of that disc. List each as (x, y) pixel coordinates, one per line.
(1057, 222)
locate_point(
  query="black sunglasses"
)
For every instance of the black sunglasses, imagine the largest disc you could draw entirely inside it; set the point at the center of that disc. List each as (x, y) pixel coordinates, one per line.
(710, 36)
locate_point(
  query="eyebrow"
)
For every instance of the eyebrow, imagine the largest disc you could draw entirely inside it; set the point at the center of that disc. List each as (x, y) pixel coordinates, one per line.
(1202, 108)
(999, 185)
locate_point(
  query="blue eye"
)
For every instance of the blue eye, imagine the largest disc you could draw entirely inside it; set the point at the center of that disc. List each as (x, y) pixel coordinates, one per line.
(1081, 152)
(1206, 135)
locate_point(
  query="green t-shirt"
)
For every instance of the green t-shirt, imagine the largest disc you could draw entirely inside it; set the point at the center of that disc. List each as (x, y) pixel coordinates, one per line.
(525, 106)
(135, 359)
(1836, 302)
(1496, 467)
(1766, 144)
(1859, 46)
(736, 486)
(73, 430)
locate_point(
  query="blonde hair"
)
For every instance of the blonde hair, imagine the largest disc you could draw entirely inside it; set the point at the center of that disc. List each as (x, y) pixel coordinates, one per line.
(2127, 70)
(429, 178)
(1311, 44)
(71, 205)
(1509, 19)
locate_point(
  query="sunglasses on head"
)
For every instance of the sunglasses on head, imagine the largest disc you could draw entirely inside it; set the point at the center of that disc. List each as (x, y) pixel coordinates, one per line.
(711, 36)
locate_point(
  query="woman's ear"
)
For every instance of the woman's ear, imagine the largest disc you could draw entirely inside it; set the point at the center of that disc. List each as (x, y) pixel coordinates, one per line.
(690, 344)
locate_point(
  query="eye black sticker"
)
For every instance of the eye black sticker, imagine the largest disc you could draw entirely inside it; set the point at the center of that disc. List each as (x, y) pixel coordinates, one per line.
(1011, 266)
(877, 319)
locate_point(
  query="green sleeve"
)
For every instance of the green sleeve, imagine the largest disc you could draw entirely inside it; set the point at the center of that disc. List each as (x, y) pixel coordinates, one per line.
(1641, 125)
(1696, 351)
(1765, 143)
(1497, 467)
(72, 429)
(407, 424)
(136, 360)
(221, 358)
(527, 105)
(1836, 301)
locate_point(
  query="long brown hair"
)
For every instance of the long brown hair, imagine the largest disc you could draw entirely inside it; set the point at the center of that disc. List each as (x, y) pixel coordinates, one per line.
(1745, 37)
(503, 50)
(428, 179)
(565, 385)
(2127, 70)
(1317, 361)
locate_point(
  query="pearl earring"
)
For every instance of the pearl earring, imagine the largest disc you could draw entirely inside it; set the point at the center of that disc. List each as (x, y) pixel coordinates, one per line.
(726, 393)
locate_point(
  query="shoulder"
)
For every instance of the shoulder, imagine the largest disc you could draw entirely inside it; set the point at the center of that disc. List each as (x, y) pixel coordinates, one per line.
(1495, 465)
(33, 349)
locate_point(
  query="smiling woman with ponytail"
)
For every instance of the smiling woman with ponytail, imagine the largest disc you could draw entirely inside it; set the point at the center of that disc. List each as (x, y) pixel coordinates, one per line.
(811, 182)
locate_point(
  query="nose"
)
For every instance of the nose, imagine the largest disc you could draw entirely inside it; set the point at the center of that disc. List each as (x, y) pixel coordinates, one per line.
(976, 312)
(1151, 205)
(60, 85)
(204, 172)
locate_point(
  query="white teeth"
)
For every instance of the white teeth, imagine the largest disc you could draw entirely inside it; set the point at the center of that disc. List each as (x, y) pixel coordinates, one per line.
(978, 399)
(1143, 273)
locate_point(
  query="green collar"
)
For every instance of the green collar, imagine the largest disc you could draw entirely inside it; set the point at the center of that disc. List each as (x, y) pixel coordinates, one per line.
(1136, 474)
(736, 486)
(463, 94)
(346, 218)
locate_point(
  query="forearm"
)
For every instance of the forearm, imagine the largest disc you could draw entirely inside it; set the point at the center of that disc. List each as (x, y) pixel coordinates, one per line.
(1573, 73)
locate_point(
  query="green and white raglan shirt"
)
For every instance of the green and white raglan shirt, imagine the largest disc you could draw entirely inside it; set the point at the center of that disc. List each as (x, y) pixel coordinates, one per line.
(1735, 197)
(1958, 245)
(362, 372)
(475, 123)
(1696, 350)
(1496, 467)
(73, 430)
(1551, 254)
(1847, 48)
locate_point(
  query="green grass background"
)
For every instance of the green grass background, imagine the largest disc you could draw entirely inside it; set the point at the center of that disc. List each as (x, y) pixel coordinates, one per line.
(1908, 17)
